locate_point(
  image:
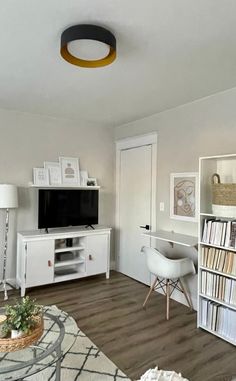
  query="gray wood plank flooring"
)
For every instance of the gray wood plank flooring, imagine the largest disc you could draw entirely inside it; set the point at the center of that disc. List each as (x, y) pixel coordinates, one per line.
(110, 313)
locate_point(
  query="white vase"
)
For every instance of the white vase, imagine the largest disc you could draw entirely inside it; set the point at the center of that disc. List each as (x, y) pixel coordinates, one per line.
(15, 334)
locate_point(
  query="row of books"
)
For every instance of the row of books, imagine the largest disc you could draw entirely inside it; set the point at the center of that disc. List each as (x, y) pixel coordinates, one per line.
(219, 233)
(218, 259)
(219, 287)
(219, 319)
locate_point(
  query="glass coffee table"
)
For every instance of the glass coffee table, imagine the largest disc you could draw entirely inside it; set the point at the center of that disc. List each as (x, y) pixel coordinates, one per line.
(60, 331)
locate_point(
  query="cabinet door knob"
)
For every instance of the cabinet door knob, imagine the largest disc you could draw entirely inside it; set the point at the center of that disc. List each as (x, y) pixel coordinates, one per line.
(90, 257)
(49, 264)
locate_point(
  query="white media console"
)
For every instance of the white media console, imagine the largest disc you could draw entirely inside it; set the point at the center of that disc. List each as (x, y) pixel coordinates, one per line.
(60, 255)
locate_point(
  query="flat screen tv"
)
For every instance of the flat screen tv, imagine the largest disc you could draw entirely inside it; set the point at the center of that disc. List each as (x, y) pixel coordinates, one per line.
(66, 207)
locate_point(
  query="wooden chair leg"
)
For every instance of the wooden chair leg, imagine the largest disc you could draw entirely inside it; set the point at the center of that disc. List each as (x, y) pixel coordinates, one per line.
(150, 291)
(186, 294)
(167, 299)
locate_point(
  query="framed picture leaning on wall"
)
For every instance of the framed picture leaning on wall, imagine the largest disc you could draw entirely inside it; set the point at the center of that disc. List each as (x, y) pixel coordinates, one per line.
(40, 176)
(70, 170)
(184, 196)
(54, 170)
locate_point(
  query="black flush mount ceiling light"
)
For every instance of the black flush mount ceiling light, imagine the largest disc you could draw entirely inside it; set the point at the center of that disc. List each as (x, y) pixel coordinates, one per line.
(88, 32)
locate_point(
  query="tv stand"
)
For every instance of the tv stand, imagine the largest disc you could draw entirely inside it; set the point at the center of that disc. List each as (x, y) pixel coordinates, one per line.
(90, 226)
(60, 255)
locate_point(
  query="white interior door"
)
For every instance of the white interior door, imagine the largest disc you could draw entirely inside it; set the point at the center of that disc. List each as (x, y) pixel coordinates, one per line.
(135, 201)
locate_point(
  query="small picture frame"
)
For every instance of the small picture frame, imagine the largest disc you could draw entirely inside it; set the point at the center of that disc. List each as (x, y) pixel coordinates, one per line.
(83, 178)
(70, 170)
(184, 196)
(40, 176)
(54, 170)
(91, 182)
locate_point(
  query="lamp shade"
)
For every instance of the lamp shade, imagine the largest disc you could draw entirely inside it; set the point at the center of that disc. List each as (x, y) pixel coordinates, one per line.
(8, 196)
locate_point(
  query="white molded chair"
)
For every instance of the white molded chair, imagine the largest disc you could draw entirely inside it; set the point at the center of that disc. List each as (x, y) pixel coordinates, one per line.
(171, 271)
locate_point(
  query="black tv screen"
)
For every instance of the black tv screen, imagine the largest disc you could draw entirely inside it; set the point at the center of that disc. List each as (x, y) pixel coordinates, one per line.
(66, 207)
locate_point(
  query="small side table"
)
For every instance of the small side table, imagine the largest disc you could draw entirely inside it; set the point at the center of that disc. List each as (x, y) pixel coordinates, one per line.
(59, 335)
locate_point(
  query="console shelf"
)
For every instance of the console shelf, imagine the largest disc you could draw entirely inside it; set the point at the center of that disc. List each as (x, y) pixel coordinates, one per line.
(72, 248)
(69, 263)
(69, 275)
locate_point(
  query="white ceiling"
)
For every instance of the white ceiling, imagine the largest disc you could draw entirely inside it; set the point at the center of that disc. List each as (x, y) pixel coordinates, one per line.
(170, 52)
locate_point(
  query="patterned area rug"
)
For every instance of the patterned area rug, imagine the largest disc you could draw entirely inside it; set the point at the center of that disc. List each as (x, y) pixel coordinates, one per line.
(83, 362)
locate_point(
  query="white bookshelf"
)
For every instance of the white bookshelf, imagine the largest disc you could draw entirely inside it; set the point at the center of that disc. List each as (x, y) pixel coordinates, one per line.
(225, 166)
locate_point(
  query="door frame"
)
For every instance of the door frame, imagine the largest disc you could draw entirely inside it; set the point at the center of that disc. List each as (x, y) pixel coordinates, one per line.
(127, 143)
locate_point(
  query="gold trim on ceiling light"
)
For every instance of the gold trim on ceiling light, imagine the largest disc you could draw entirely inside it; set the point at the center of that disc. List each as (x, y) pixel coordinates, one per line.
(91, 32)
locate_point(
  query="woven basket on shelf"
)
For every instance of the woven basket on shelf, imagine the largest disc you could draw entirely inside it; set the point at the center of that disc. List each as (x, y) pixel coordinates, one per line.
(12, 345)
(223, 194)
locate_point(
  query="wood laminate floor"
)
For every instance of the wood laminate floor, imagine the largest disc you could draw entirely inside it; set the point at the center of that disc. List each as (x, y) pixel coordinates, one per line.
(110, 313)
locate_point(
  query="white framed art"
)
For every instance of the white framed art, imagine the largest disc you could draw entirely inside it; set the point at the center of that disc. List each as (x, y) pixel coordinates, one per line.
(70, 170)
(54, 170)
(40, 176)
(184, 196)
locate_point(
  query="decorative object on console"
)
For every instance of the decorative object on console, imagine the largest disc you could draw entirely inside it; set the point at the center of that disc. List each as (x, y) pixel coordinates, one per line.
(41, 176)
(91, 181)
(86, 33)
(65, 256)
(8, 200)
(83, 178)
(183, 196)
(70, 170)
(54, 170)
(223, 198)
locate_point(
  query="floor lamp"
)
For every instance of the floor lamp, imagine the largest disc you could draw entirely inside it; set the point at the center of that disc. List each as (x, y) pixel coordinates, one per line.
(8, 200)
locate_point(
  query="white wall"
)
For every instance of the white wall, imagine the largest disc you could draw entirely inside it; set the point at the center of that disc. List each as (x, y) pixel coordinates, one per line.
(27, 140)
(205, 127)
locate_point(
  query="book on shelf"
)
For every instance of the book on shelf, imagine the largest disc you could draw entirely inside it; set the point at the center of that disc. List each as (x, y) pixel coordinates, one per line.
(219, 233)
(218, 287)
(233, 234)
(219, 319)
(219, 260)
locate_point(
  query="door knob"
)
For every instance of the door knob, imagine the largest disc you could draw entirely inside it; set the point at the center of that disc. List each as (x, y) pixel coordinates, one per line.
(147, 227)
